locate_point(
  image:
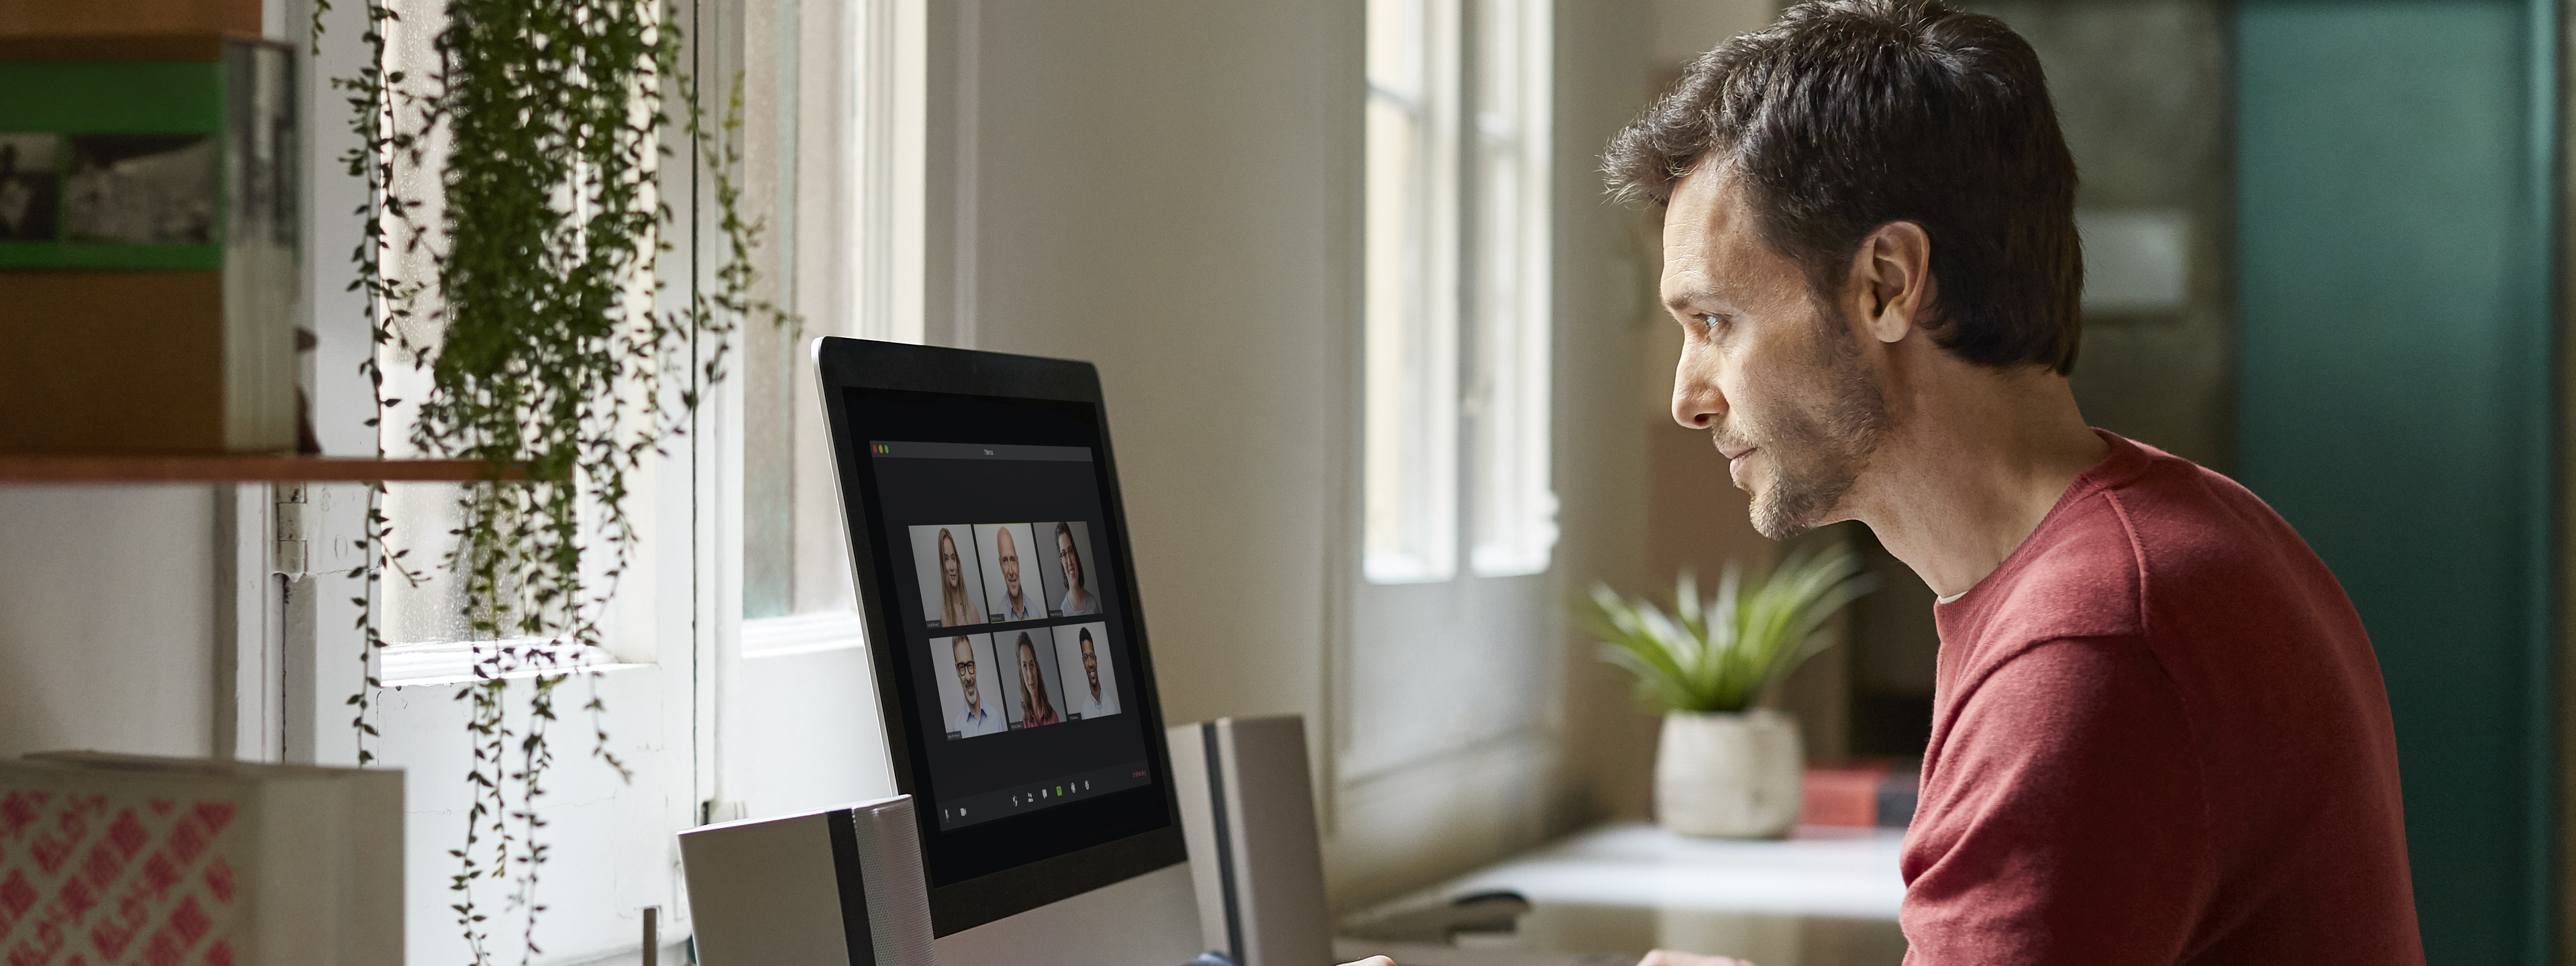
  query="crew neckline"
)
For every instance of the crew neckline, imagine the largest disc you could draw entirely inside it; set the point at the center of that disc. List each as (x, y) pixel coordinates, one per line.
(2085, 484)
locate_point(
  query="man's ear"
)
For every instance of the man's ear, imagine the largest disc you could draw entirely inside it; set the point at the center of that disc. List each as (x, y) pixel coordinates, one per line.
(1891, 280)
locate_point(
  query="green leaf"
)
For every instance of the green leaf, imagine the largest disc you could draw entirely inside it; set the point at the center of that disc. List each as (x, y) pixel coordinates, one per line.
(1723, 654)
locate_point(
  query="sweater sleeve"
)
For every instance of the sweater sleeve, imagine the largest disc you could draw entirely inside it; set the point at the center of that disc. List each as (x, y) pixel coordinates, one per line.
(2063, 818)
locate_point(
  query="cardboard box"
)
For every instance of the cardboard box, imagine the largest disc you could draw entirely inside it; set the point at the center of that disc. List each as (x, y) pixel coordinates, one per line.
(55, 17)
(148, 245)
(110, 860)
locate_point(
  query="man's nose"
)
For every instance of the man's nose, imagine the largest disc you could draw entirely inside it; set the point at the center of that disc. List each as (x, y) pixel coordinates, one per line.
(1697, 404)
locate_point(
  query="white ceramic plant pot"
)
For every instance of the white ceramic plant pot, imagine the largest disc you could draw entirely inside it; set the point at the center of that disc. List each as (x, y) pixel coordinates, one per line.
(1725, 774)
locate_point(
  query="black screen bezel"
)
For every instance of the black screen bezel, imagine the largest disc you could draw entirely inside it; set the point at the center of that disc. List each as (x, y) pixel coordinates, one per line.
(863, 364)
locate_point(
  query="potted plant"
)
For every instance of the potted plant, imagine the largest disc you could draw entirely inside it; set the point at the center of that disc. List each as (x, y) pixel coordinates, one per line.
(1725, 768)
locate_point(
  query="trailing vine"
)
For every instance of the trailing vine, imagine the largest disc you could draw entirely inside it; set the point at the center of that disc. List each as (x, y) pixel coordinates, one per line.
(561, 362)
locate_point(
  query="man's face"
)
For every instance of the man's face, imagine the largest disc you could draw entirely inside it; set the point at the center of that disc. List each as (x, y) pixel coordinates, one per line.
(1776, 377)
(1091, 667)
(965, 652)
(1007, 551)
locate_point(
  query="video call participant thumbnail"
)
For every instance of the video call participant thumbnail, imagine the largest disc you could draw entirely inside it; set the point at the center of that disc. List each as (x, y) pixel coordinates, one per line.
(1083, 650)
(965, 695)
(952, 586)
(1011, 586)
(1068, 583)
(1034, 674)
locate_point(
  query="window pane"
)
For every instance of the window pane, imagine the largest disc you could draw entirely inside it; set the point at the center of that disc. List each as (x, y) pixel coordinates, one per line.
(1410, 448)
(769, 418)
(433, 611)
(1509, 402)
(424, 516)
(833, 148)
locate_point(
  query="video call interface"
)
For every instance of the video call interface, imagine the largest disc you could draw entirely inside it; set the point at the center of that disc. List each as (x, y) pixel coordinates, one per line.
(1010, 677)
(1012, 622)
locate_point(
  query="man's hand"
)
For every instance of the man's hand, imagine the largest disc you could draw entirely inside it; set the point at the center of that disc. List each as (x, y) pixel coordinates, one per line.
(1660, 957)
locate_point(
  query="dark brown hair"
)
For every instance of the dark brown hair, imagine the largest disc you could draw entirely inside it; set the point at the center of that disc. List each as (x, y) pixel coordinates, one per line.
(1850, 114)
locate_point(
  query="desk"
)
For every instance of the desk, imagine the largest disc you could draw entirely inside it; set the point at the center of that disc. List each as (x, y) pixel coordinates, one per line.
(1824, 897)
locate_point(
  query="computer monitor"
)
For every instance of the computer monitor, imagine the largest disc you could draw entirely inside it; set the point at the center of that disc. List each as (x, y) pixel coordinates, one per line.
(1017, 690)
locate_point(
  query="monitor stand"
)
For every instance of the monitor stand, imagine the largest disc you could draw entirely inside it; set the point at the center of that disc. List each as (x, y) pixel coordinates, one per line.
(1149, 920)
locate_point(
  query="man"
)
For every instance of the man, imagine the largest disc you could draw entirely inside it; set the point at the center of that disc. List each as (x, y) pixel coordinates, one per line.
(1099, 704)
(2159, 735)
(1006, 551)
(972, 719)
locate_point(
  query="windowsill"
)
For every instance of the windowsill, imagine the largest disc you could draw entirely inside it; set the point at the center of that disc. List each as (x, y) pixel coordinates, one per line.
(1632, 887)
(419, 665)
(803, 634)
(1817, 871)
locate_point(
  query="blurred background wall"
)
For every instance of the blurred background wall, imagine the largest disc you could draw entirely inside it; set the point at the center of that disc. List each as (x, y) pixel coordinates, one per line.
(2398, 180)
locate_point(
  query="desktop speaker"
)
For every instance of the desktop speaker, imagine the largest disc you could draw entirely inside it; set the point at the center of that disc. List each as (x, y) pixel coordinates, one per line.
(838, 887)
(1248, 814)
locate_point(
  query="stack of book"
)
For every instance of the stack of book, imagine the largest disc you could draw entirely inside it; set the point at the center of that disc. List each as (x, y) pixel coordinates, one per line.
(1869, 792)
(148, 229)
(108, 860)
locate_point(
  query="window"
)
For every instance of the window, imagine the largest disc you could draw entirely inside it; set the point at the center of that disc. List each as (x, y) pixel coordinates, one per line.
(428, 638)
(1442, 714)
(832, 137)
(607, 835)
(1507, 400)
(1457, 313)
(838, 144)
(741, 541)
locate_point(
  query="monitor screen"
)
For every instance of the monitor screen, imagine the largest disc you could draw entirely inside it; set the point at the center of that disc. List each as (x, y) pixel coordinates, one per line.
(1019, 683)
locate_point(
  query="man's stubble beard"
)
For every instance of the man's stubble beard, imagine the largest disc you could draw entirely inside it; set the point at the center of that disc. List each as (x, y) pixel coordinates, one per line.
(1817, 454)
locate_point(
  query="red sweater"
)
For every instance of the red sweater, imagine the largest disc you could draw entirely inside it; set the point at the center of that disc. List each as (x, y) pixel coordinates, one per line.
(2158, 736)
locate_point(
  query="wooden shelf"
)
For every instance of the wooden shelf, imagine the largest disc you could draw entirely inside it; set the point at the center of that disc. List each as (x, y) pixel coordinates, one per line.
(237, 469)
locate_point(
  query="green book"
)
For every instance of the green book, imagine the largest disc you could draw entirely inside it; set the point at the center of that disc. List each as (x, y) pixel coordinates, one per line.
(127, 166)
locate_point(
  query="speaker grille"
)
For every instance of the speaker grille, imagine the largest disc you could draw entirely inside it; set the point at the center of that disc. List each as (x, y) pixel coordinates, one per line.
(898, 895)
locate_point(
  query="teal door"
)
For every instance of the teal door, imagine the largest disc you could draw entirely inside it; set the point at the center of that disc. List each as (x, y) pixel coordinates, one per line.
(2395, 401)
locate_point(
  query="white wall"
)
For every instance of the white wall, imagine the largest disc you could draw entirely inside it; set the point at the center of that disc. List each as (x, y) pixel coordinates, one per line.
(1686, 28)
(107, 619)
(1154, 195)
(1615, 388)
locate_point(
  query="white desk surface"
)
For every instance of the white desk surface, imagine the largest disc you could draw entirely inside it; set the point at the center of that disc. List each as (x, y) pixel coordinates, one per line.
(1823, 897)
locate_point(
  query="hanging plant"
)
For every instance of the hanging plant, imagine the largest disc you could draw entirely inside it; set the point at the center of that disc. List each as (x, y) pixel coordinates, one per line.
(559, 361)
